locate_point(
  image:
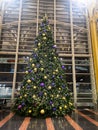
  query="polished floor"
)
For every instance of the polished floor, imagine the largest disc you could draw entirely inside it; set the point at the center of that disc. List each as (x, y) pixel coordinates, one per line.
(81, 119)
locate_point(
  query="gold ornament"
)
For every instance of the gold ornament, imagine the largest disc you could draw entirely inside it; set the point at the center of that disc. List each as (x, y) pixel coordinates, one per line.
(41, 61)
(35, 69)
(70, 104)
(49, 87)
(33, 65)
(63, 98)
(42, 69)
(59, 88)
(20, 97)
(52, 96)
(60, 108)
(34, 87)
(30, 59)
(33, 96)
(52, 105)
(43, 34)
(65, 106)
(44, 38)
(30, 111)
(25, 95)
(45, 94)
(45, 55)
(28, 81)
(53, 72)
(42, 111)
(45, 77)
(35, 49)
(26, 72)
(57, 95)
(39, 28)
(54, 57)
(39, 44)
(56, 70)
(48, 28)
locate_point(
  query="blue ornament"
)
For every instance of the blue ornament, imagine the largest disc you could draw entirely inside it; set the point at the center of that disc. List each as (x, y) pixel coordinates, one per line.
(63, 66)
(54, 46)
(23, 104)
(53, 76)
(53, 84)
(63, 86)
(35, 55)
(50, 102)
(54, 108)
(61, 77)
(38, 65)
(40, 94)
(28, 86)
(42, 84)
(32, 78)
(42, 24)
(29, 70)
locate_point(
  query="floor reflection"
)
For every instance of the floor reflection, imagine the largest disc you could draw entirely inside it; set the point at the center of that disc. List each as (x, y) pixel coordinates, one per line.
(81, 119)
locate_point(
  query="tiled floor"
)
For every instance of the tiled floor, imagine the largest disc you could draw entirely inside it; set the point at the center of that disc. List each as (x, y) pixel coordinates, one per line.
(82, 119)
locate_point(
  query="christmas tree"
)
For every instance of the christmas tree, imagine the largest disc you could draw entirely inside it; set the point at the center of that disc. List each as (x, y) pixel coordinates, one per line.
(44, 91)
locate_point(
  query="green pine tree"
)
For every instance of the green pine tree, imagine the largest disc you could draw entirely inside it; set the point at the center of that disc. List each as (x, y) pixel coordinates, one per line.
(44, 91)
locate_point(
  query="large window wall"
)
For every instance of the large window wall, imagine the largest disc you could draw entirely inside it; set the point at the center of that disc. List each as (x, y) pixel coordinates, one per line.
(19, 23)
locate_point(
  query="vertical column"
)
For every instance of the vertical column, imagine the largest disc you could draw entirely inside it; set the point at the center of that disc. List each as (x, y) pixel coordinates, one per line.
(37, 21)
(17, 48)
(94, 48)
(91, 60)
(1, 19)
(73, 56)
(55, 20)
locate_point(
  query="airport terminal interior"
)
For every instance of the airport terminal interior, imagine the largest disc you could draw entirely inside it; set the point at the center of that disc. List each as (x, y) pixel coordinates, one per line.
(74, 24)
